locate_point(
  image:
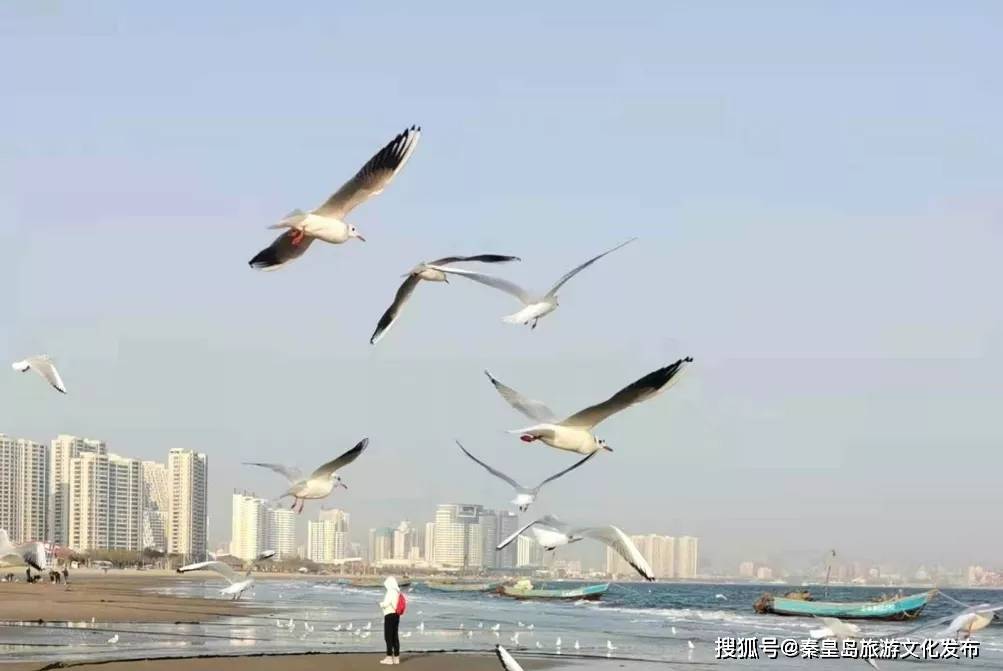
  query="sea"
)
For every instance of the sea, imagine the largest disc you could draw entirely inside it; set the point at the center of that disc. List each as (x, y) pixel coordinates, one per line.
(635, 626)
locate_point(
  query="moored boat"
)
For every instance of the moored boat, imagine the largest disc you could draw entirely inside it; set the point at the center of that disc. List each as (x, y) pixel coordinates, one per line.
(463, 586)
(524, 589)
(372, 582)
(896, 608)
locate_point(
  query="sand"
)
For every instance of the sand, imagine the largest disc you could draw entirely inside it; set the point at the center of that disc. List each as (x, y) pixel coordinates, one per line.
(116, 597)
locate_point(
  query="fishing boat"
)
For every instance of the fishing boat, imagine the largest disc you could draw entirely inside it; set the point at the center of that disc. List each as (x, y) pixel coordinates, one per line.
(463, 586)
(801, 603)
(524, 589)
(371, 582)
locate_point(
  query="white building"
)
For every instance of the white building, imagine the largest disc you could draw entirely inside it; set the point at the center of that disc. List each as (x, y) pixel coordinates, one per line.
(187, 517)
(327, 538)
(282, 532)
(381, 545)
(508, 524)
(429, 545)
(62, 449)
(248, 526)
(156, 503)
(686, 556)
(529, 553)
(24, 489)
(403, 540)
(458, 538)
(104, 502)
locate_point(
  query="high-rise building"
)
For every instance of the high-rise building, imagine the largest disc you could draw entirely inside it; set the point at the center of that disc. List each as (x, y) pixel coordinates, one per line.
(24, 489)
(248, 526)
(747, 569)
(488, 521)
(657, 550)
(429, 548)
(686, 556)
(529, 553)
(327, 538)
(186, 533)
(403, 540)
(508, 524)
(282, 532)
(62, 449)
(454, 545)
(381, 544)
(156, 503)
(104, 504)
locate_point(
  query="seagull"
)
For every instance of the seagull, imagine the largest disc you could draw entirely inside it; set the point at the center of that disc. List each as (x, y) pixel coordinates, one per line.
(337, 627)
(497, 626)
(480, 625)
(237, 584)
(721, 597)
(507, 662)
(961, 625)
(577, 647)
(308, 627)
(278, 624)
(421, 627)
(552, 533)
(470, 634)
(42, 365)
(557, 643)
(515, 638)
(113, 640)
(424, 271)
(841, 631)
(534, 307)
(369, 625)
(349, 627)
(519, 624)
(406, 634)
(326, 222)
(539, 645)
(320, 483)
(365, 634)
(525, 496)
(575, 432)
(610, 646)
(531, 627)
(690, 645)
(673, 631)
(30, 554)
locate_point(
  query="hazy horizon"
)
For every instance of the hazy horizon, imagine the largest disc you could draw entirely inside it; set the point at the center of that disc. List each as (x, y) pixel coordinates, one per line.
(815, 193)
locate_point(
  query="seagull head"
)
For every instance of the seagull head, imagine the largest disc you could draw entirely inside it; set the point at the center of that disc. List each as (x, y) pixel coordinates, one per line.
(603, 445)
(353, 232)
(337, 481)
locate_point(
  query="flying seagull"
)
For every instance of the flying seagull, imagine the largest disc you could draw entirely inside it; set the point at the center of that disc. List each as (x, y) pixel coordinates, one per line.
(327, 221)
(552, 533)
(507, 661)
(31, 554)
(237, 584)
(423, 271)
(962, 624)
(42, 365)
(525, 496)
(575, 432)
(320, 483)
(841, 631)
(534, 307)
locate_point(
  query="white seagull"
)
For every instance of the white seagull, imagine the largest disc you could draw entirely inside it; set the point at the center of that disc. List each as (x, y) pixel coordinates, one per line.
(552, 533)
(841, 631)
(961, 625)
(534, 307)
(320, 483)
(327, 221)
(496, 627)
(609, 645)
(557, 643)
(507, 661)
(575, 433)
(42, 365)
(721, 597)
(525, 496)
(237, 584)
(30, 554)
(424, 271)
(113, 640)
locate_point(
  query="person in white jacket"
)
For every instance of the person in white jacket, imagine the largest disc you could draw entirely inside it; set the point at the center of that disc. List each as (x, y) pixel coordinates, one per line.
(391, 621)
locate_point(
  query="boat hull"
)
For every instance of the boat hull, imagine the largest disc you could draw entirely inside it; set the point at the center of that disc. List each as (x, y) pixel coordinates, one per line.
(902, 608)
(462, 587)
(587, 593)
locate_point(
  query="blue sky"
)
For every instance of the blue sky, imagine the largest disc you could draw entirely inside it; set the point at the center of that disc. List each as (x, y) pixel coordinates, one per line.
(815, 189)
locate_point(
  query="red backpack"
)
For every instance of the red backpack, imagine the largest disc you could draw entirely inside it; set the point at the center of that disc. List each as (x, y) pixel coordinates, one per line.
(401, 604)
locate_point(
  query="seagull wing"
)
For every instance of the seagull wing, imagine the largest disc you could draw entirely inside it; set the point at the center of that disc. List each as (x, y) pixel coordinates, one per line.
(518, 533)
(574, 271)
(332, 466)
(492, 471)
(621, 544)
(507, 661)
(280, 252)
(216, 566)
(43, 366)
(533, 409)
(568, 469)
(481, 258)
(638, 391)
(390, 316)
(290, 473)
(489, 280)
(374, 175)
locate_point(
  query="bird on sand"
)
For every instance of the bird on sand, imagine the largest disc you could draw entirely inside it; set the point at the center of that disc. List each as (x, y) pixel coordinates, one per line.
(575, 433)
(534, 306)
(42, 365)
(113, 640)
(327, 223)
(424, 271)
(320, 483)
(524, 496)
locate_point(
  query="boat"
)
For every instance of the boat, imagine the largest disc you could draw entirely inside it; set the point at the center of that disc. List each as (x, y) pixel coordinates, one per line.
(463, 586)
(801, 603)
(524, 589)
(372, 582)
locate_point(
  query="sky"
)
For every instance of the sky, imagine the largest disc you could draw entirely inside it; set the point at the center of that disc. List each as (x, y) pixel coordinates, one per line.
(814, 188)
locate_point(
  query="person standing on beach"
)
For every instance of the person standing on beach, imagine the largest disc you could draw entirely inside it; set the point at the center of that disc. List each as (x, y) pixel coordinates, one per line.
(392, 607)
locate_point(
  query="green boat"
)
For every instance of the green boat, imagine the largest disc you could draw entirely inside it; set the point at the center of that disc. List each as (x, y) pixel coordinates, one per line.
(463, 586)
(371, 583)
(897, 608)
(524, 589)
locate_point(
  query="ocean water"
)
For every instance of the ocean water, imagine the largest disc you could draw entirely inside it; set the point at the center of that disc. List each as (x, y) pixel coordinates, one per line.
(651, 624)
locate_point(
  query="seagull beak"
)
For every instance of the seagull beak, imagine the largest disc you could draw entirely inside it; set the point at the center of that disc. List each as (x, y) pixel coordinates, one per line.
(361, 238)
(342, 484)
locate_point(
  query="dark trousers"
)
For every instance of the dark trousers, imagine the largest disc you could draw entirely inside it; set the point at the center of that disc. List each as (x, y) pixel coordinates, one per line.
(391, 625)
